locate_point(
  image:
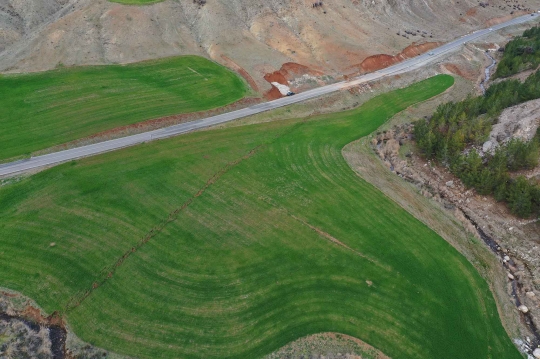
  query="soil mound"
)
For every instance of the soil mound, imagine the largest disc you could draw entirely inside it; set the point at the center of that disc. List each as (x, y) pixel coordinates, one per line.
(288, 75)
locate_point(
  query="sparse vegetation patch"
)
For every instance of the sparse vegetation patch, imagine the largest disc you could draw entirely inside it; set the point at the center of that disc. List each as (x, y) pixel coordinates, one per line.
(457, 133)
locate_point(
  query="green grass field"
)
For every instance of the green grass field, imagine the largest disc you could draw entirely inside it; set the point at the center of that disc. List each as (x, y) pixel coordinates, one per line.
(254, 236)
(44, 109)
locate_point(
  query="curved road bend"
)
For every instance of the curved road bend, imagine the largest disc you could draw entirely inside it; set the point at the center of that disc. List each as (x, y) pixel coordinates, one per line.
(111, 145)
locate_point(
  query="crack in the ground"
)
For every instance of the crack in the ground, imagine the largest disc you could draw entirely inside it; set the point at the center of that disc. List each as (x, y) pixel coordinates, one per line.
(107, 272)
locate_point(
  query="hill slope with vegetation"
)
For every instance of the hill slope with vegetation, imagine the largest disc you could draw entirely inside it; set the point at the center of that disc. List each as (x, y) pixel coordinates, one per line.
(454, 135)
(520, 54)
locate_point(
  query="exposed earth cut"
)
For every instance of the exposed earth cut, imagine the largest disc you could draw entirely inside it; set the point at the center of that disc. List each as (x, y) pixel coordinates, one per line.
(256, 38)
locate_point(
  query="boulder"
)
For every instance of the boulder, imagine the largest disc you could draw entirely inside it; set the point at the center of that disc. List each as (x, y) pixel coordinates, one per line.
(510, 276)
(536, 353)
(530, 294)
(487, 146)
(450, 184)
(523, 309)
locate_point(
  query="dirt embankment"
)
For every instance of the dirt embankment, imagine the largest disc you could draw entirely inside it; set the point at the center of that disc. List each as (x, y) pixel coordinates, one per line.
(380, 61)
(26, 332)
(461, 71)
(273, 94)
(291, 74)
(233, 65)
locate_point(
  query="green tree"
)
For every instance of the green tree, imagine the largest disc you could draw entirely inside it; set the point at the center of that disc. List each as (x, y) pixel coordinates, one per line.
(486, 182)
(471, 168)
(519, 197)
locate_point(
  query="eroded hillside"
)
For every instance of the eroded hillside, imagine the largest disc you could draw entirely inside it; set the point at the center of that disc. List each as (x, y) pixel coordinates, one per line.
(253, 37)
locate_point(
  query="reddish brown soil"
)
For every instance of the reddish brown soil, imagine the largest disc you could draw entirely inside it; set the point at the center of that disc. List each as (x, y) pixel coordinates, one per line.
(418, 49)
(288, 71)
(457, 70)
(377, 62)
(233, 65)
(272, 94)
(276, 76)
(380, 61)
(472, 11)
(498, 20)
(152, 125)
(35, 315)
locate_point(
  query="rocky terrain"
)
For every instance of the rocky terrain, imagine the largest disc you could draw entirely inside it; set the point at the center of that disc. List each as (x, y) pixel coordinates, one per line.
(25, 332)
(519, 122)
(515, 241)
(255, 37)
(327, 346)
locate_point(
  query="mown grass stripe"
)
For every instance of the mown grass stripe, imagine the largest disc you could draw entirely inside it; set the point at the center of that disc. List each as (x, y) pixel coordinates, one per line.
(40, 110)
(235, 276)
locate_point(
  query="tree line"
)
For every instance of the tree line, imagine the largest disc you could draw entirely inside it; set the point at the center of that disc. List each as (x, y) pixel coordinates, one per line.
(449, 137)
(520, 54)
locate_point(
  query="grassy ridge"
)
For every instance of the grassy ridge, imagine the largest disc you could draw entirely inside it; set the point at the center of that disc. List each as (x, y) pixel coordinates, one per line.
(40, 110)
(253, 261)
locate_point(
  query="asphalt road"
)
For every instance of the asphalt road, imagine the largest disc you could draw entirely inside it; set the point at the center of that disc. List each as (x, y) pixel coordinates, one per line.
(13, 168)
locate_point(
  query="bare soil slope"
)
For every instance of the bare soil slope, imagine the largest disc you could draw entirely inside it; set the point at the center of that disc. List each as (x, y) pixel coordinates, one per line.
(253, 37)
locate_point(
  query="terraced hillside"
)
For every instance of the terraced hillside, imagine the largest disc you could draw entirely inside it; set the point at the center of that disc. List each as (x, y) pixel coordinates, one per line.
(231, 243)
